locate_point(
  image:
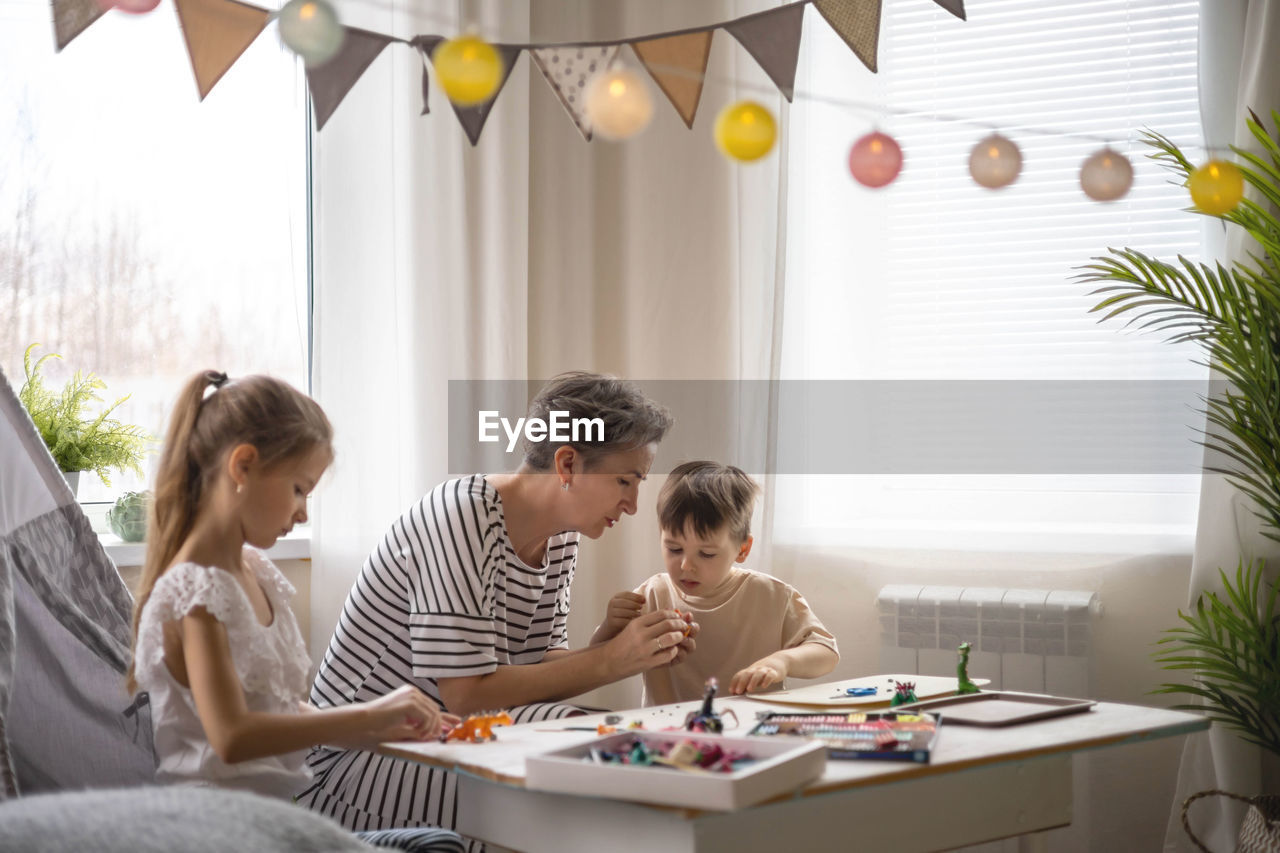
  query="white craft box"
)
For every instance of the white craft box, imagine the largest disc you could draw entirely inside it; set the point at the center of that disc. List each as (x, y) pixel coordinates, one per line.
(783, 764)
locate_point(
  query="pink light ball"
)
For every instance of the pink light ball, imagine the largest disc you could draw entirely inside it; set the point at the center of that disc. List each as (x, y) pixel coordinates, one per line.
(995, 162)
(1106, 176)
(875, 160)
(133, 7)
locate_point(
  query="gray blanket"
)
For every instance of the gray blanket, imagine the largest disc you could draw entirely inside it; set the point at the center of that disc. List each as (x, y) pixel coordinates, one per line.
(164, 820)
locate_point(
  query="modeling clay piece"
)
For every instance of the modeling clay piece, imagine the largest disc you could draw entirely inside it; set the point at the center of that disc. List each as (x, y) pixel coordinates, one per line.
(903, 692)
(478, 728)
(687, 616)
(706, 719)
(962, 672)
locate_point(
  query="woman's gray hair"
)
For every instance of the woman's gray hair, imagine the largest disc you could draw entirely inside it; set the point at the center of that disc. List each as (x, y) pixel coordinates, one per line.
(630, 418)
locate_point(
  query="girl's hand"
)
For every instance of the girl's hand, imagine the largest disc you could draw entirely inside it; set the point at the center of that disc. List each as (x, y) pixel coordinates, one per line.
(622, 608)
(759, 675)
(405, 713)
(647, 641)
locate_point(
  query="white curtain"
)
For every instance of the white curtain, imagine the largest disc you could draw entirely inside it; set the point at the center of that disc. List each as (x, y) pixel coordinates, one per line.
(1238, 71)
(534, 253)
(420, 277)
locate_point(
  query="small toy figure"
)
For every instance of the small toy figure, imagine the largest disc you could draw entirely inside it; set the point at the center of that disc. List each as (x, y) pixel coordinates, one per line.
(962, 672)
(706, 719)
(478, 728)
(903, 693)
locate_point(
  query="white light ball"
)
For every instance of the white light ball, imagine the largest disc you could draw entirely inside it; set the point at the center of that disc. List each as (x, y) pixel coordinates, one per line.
(618, 104)
(995, 162)
(1106, 176)
(310, 28)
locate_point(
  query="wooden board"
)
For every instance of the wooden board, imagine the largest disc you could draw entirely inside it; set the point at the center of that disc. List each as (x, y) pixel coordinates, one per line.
(832, 694)
(999, 708)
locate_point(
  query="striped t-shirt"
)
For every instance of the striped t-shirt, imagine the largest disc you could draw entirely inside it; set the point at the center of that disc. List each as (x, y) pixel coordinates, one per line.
(444, 595)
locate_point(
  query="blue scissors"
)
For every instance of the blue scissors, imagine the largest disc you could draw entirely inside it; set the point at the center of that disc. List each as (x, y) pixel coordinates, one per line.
(858, 691)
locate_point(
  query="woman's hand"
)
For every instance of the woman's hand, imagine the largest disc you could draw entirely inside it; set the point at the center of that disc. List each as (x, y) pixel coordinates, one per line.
(761, 674)
(405, 713)
(622, 608)
(647, 641)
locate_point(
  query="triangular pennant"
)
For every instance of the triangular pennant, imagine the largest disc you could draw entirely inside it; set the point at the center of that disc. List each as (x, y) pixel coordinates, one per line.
(955, 7)
(677, 64)
(568, 70)
(858, 23)
(773, 38)
(71, 18)
(426, 44)
(217, 32)
(330, 82)
(473, 118)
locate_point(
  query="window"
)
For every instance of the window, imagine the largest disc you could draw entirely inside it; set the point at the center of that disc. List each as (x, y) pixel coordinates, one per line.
(145, 235)
(937, 278)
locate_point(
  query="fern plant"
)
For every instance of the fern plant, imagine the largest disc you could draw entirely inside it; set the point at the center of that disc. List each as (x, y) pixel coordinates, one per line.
(1229, 644)
(76, 441)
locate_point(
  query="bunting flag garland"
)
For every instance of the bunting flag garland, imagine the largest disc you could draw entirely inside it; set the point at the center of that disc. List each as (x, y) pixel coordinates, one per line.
(773, 38)
(858, 23)
(217, 32)
(424, 46)
(955, 7)
(567, 71)
(686, 55)
(330, 82)
(71, 18)
(473, 118)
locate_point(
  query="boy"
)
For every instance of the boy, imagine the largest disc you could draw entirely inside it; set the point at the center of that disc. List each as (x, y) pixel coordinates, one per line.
(755, 629)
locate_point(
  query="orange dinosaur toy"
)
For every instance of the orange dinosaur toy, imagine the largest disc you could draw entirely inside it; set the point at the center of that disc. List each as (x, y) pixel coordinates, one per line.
(478, 728)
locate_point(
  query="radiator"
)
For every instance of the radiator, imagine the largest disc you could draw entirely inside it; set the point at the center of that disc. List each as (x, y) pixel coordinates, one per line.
(1033, 640)
(1030, 640)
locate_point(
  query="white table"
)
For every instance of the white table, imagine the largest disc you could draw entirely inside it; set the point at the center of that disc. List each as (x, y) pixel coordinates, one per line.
(982, 784)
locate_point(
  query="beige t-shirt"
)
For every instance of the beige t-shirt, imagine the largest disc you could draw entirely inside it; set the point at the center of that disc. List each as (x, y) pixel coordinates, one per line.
(747, 617)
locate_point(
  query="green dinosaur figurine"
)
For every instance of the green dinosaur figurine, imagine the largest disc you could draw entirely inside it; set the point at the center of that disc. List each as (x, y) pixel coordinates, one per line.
(962, 672)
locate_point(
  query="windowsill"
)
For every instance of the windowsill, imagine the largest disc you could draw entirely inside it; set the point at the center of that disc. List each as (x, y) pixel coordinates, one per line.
(295, 546)
(1128, 540)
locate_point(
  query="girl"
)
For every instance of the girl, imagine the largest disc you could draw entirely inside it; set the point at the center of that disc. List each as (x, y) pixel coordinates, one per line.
(215, 642)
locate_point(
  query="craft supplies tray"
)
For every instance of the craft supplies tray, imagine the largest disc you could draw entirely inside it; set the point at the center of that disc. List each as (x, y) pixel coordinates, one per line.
(887, 736)
(781, 765)
(1000, 708)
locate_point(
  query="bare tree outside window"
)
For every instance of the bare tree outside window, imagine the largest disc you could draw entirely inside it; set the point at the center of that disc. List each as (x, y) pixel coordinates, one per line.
(145, 235)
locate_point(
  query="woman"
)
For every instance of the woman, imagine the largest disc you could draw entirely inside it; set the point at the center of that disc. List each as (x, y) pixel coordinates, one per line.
(468, 597)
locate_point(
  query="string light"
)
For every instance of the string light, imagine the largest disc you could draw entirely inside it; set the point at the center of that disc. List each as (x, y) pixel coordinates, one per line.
(618, 104)
(1106, 175)
(875, 160)
(469, 70)
(1216, 187)
(745, 131)
(133, 7)
(310, 28)
(995, 162)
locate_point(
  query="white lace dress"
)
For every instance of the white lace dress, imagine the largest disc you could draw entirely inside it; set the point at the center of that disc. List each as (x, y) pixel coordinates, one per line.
(271, 661)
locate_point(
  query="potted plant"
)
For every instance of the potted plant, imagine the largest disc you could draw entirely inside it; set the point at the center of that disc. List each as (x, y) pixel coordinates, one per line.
(76, 440)
(1229, 645)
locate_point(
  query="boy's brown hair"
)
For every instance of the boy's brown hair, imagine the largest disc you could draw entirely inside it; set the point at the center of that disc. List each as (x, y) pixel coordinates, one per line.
(709, 496)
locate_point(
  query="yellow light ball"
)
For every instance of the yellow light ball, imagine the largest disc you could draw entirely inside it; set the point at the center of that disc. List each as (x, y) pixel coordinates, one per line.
(618, 104)
(745, 131)
(1216, 187)
(469, 70)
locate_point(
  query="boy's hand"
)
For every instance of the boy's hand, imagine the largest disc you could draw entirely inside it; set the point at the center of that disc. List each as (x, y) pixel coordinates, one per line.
(687, 645)
(761, 674)
(622, 608)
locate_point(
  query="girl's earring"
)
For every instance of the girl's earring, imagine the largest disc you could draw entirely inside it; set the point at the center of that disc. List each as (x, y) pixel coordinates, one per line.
(239, 488)
(565, 486)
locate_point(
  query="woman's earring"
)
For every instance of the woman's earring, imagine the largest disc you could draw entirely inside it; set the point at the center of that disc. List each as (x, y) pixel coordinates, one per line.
(565, 486)
(239, 488)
